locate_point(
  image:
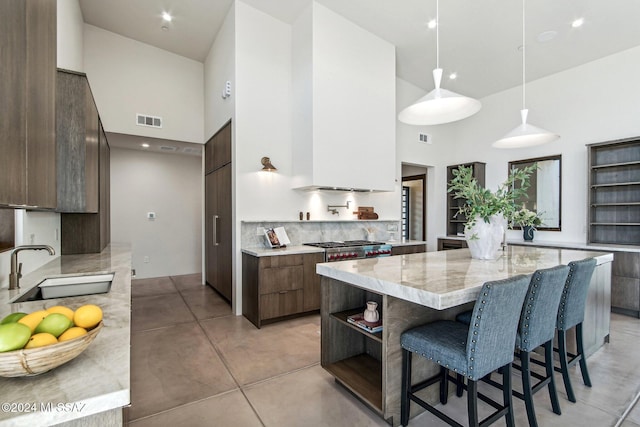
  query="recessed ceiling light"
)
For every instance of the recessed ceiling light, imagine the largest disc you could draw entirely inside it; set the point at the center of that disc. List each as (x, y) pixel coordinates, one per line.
(145, 145)
(453, 76)
(166, 16)
(547, 36)
(432, 24)
(577, 23)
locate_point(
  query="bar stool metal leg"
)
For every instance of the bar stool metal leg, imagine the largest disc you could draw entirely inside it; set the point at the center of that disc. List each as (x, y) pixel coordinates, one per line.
(472, 403)
(553, 394)
(507, 394)
(526, 388)
(583, 358)
(405, 402)
(444, 385)
(564, 364)
(459, 384)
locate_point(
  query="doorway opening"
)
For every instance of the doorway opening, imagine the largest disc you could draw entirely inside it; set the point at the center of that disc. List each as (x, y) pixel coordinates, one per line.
(414, 202)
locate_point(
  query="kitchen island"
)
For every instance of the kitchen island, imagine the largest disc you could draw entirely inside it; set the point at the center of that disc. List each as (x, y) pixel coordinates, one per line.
(415, 289)
(91, 389)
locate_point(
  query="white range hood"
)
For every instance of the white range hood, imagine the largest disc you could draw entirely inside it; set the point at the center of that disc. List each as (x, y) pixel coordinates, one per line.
(344, 105)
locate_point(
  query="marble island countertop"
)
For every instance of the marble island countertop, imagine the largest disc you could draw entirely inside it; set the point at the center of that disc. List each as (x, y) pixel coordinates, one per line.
(446, 279)
(95, 381)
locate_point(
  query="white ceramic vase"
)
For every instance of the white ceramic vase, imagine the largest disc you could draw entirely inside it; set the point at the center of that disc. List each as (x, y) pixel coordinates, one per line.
(371, 313)
(485, 239)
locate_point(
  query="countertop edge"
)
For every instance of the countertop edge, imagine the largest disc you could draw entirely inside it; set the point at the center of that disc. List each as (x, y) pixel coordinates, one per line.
(303, 249)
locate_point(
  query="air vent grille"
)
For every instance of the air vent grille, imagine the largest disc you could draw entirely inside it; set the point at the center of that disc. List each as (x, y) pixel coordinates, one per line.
(149, 121)
(425, 138)
(167, 148)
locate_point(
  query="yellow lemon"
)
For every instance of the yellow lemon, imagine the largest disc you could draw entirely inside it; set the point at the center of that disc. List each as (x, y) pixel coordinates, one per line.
(87, 316)
(40, 340)
(32, 320)
(72, 333)
(62, 310)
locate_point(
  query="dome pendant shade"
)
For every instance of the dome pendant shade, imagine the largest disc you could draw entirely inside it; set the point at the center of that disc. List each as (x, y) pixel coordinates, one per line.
(439, 106)
(525, 135)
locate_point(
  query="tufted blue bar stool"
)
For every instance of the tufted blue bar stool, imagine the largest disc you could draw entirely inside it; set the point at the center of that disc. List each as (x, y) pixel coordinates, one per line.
(537, 328)
(471, 351)
(571, 314)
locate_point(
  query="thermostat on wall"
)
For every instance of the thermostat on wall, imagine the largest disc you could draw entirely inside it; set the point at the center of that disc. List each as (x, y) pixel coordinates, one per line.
(151, 215)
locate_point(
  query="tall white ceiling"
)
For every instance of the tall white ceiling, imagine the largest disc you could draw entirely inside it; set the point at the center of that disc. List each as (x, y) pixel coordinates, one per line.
(479, 39)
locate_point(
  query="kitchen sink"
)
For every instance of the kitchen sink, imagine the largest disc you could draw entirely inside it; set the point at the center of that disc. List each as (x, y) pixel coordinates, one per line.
(68, 286)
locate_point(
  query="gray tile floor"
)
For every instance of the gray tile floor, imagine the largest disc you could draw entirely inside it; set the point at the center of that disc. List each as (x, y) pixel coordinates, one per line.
(196, 364)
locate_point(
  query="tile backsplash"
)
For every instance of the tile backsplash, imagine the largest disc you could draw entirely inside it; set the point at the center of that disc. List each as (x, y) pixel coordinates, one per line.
(300, 232)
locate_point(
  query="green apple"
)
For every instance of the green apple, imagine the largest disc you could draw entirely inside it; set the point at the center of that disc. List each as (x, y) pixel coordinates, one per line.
(55, 324)
(12, 318)
(13, 336)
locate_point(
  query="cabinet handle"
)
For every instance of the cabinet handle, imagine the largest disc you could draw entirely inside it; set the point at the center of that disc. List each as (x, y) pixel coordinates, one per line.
(215, 230)
(283, 292)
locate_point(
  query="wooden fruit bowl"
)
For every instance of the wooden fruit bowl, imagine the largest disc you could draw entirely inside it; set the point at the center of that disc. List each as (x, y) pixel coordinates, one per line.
(34, 361)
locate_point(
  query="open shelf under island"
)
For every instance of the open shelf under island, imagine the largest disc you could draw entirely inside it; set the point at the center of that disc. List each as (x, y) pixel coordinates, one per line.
(416, 289)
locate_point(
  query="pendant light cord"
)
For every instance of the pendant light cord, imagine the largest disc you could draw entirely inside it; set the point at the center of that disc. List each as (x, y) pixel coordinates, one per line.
(523, 56)
(438, 33)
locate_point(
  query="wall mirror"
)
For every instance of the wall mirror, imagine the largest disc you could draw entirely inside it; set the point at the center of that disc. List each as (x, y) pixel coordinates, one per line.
(545, 191)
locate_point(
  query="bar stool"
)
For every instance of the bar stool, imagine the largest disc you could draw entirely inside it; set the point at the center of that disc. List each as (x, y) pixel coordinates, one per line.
(537, 328)
(570, 314)
(472, 351)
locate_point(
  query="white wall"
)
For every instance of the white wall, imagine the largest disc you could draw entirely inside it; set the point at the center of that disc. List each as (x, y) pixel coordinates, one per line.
(410, 151)
(70, 41)
(219, 67)
(129, 77)
(263, 127)
(595, 102)
(169, 185)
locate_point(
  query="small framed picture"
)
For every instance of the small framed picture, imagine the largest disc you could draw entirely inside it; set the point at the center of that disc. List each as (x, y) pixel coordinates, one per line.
(272, 237)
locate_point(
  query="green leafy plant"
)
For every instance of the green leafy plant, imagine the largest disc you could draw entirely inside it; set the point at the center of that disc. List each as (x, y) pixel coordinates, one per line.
(526, 218)
(481, 202)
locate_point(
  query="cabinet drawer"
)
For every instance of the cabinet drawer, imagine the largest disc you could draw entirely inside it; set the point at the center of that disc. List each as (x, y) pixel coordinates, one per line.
(281, 261)
(280, 304)
(281, 279)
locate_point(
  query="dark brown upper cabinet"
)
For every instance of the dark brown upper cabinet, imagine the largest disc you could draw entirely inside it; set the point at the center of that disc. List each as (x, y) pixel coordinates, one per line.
(27, 110)
(77, 129)
(84, 233)
(217, 151)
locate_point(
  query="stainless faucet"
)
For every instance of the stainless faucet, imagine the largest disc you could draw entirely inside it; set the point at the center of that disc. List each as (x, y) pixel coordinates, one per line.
(334, 211)
(16, 269)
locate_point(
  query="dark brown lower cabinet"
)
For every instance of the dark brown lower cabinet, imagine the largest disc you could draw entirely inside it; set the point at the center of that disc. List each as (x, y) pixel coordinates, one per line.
(278, 286)
(448, 244)
(625, 283)
(408, 249)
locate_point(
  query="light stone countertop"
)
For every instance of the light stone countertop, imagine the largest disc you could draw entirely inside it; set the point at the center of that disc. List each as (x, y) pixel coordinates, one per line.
(566, 245)
(97, 380)
(303, 249)
(289, 250)
(446, 279)
(574, 245)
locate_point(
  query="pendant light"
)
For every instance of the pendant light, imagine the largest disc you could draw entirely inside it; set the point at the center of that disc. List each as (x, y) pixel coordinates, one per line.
(525, 135)
(440, 105)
